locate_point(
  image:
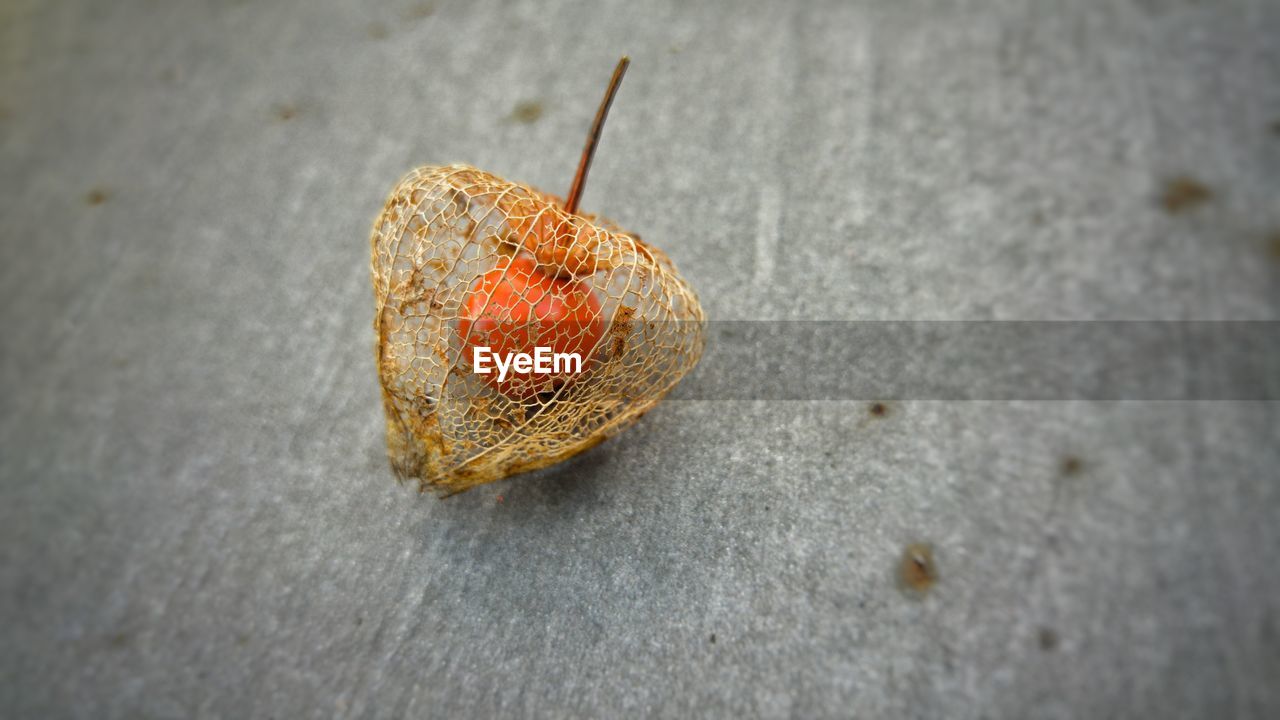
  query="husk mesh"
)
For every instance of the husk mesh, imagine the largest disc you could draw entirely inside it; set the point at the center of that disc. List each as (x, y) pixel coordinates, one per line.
(443, 228)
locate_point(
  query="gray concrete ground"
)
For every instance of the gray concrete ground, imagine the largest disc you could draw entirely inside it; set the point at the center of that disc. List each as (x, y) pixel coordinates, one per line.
(196, 515)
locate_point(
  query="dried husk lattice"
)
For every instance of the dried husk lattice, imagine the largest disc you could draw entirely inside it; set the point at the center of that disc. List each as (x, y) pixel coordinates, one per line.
(442, 229)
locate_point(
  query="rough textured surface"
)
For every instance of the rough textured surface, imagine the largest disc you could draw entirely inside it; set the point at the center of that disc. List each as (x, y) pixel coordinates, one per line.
(196, 514)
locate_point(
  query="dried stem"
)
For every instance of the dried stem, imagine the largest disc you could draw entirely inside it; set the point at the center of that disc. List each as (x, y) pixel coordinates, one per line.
(584, 165)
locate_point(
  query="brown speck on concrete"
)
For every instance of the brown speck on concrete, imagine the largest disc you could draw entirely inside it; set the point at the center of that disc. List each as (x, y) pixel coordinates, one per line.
(527, 111)
(419, 10)
(878, 409)
(1184, 193)
(498, 499)
(286, 111)
(96, 196)
(118, 640)
(1037, 218)
(713, 638)
(917, 569)
(378, 30)
(1071, 465)
(1048, 639)
(359, 621)
(1273, 245)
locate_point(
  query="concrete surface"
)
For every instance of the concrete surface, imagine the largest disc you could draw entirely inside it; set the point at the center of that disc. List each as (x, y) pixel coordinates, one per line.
(196, 515)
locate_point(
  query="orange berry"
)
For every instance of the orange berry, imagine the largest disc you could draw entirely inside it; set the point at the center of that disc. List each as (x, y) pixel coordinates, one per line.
(516, 308)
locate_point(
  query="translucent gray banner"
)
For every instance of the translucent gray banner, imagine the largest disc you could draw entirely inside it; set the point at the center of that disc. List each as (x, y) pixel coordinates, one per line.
(987, 360)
